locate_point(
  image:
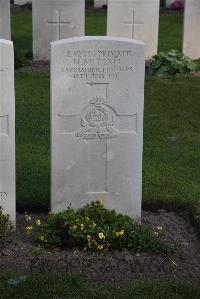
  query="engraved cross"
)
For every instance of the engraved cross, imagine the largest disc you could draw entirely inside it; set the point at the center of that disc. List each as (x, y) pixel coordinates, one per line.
(132, 24)
(58, 23)
(97, 123)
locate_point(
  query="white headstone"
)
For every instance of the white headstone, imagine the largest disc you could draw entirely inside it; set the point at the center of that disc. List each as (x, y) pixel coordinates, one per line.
(97, 90)
(5, 19)
(191, 36)
(100, 3)
(22, 2)
(7, 129)
(135, 19)
(54, 20)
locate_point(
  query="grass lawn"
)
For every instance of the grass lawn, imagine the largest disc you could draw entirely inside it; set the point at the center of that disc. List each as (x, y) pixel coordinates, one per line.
(32, 139)
(62, 286)
(170, 32)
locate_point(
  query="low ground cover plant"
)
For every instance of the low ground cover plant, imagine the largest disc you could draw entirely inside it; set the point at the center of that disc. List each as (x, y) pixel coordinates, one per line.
(172, 64)
(6, 227)
(98, 229)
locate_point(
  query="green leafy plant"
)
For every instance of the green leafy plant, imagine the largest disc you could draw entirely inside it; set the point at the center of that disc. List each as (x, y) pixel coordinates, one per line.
(6, 227)
(98, 229)
(173, 63)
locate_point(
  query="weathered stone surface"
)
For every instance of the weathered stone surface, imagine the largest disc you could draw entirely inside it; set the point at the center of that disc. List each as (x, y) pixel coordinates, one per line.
(97, 90)
(5, 19)
(54, 20)
(7, 129)
(191, 36)
(135, 19)
(100, 3)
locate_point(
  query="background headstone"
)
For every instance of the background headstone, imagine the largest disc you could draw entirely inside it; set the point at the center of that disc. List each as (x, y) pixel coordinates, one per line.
(7, 129)
(100, 3)
(191, 36)
(135, 19)
(5, 19)
(97, 90)
(54, 20)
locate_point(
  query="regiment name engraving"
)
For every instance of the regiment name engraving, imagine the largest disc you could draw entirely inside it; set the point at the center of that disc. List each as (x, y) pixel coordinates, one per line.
(102, 64)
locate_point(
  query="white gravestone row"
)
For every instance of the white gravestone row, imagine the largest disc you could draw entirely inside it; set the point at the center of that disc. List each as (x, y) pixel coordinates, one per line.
(7, 129)
(55, 20)
(191, 37)
(97, 94)
(135, 19)
(5, 19)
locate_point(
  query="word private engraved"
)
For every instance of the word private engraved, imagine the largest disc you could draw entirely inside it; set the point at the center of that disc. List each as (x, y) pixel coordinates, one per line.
(97, 120)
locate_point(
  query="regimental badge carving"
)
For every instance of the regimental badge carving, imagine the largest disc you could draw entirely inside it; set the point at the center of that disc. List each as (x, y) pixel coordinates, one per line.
(97, 120)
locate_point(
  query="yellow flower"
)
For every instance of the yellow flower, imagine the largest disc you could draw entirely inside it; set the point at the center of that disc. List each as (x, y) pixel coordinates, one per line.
(159, 227)
(156, 234)
(99, 247)
(74, 227)
(29, 229)
(120, 233)
(100, 201)
(101, 236)
(82, 226)
(38, 222)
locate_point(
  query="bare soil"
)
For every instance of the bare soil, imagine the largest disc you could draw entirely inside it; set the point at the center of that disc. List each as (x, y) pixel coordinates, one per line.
(115, 267)
(35, 67)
